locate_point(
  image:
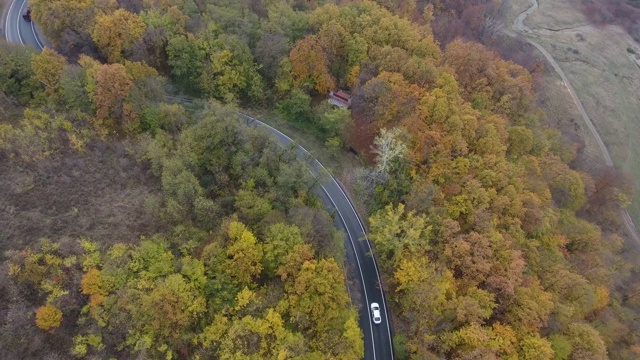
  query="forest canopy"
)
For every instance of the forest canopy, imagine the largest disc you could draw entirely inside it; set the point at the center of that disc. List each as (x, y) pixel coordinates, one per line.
(491, 244)
(236, 268)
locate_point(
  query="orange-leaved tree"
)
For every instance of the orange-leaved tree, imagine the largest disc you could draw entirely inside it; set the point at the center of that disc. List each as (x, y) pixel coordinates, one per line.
(309, 64)
(112, 87)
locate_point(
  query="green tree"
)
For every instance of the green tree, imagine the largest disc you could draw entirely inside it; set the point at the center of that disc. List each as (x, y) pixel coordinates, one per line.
(566, 184)
(283, 19)
(521, 141)
(251, 205)
(586, 343)
(73, 90)
(279, 240)
(534, 347)
(185, 60)
(297, 107)
(172, 21)
(181, 188)
(561, 346)
(16, 72)
(334, 121)
(223, 77)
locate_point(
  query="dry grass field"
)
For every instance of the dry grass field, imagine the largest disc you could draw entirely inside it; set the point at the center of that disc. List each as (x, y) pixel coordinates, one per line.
(562, 115)
(603, 73)
(100, 194)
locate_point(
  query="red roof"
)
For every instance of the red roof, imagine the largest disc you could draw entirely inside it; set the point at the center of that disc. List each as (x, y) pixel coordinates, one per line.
(342, 95)
(340, 98)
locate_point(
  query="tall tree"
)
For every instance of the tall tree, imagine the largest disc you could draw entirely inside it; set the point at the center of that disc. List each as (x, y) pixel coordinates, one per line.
(185, 60)
(117, 32)
(112, 87)
(309, 64)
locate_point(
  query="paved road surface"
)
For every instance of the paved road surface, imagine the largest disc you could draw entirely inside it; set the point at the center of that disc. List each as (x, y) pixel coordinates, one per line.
(519, 26)
(19, 31)
(377, 338)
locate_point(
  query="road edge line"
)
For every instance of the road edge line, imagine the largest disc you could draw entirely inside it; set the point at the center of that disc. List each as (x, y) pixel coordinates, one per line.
(18, 22)
(343, 221)
(6, 21)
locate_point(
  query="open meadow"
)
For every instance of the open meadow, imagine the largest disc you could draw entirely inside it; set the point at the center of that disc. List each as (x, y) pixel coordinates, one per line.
(599, 63)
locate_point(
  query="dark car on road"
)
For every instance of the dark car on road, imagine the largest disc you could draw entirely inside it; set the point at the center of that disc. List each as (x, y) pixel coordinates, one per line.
(27, 16)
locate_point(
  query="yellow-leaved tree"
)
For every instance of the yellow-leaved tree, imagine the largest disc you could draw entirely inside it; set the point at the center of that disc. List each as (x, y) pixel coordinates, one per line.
(48, 67)
(48, 317)
(117, 32)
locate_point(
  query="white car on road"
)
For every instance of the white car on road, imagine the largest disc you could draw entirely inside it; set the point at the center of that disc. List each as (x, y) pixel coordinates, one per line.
(375, 311)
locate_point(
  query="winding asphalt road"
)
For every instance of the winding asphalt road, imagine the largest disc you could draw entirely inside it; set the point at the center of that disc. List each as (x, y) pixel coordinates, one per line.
(519, 26)
(17, 30)
(378, 342)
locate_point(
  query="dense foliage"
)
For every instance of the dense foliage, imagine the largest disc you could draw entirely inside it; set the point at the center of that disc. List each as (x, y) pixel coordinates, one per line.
(474, 204)
(250, 265)
(490, 244)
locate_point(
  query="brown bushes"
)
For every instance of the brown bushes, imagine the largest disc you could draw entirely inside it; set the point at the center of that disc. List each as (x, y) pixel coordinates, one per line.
(624, 13)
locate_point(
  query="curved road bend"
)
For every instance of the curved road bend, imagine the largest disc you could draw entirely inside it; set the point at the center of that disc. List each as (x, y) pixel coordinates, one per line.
(519, 26)
(378, 342)
(17, 30)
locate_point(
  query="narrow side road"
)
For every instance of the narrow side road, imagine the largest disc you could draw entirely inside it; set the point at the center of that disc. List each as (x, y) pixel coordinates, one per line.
(520, 27)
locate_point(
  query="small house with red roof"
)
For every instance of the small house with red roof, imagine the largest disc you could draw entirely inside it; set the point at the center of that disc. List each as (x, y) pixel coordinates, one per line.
(340, 98)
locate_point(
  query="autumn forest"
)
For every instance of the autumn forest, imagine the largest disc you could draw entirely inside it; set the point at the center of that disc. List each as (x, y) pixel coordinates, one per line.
(140, 219)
